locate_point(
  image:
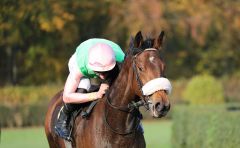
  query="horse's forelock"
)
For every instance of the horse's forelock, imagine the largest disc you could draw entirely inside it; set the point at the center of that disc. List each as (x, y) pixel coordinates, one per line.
(148, 43)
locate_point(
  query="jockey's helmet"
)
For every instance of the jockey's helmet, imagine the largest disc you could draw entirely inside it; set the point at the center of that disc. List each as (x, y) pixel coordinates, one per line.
(101, 57)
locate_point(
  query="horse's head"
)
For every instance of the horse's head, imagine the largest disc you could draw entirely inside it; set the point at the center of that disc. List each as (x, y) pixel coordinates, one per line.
(150, 83)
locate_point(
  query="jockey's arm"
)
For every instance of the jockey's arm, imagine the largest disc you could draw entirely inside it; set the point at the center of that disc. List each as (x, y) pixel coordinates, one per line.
(69, 93)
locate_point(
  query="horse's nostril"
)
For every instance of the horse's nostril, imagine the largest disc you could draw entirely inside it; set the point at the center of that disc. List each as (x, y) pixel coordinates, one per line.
(158, 107)
(168, 107)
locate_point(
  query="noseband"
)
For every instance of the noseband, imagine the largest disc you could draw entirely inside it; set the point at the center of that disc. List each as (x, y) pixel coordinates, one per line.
(133, 107)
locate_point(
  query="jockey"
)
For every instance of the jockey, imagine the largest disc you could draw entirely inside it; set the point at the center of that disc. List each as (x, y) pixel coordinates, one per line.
(94, 58)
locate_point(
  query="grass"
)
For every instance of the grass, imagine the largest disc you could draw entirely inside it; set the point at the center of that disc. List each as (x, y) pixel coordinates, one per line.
(157, 134)
(24, 138)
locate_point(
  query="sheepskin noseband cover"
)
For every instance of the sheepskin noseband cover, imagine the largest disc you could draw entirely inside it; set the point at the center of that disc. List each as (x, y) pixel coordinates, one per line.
(155, 85)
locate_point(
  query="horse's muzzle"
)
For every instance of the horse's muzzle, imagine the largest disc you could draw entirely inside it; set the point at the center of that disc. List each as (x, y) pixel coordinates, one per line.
(159, 109)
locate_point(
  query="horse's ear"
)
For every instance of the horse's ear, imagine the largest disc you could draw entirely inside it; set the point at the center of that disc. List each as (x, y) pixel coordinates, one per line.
(138, 40)
(158, 42)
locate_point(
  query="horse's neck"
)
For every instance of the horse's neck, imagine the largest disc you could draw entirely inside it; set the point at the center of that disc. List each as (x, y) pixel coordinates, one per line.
(120, 93)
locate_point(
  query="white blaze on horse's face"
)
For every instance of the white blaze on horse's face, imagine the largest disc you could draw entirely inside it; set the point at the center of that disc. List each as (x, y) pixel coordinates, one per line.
(151, 59)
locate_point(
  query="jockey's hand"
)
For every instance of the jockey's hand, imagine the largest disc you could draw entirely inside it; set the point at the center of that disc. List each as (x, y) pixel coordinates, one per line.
(102, 90)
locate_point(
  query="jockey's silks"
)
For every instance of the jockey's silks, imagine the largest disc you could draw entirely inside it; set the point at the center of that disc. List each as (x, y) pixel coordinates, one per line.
(82, 55)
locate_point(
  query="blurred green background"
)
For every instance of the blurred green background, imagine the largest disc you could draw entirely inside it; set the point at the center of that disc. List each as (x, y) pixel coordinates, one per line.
(201, 51)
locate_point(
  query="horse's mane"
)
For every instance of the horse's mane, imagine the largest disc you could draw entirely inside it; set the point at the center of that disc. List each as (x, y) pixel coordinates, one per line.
(113, 74)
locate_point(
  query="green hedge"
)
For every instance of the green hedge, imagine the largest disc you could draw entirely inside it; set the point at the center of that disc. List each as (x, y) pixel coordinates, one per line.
(204, 89)
(20, 116)
(25, 106)
(206, 126)
(17, 103)
(24, 95)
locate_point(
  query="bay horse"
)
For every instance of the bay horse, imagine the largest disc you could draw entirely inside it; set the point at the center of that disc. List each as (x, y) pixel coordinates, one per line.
(115, 119)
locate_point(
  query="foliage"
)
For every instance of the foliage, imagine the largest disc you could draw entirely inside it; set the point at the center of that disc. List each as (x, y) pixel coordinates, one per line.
(15, 96)
(37, 39)
(205, 126)
(178, 88)
(25, 106)
(204, 35)
(231, 88)
(15, 99)
(24, 115)
(204, 89)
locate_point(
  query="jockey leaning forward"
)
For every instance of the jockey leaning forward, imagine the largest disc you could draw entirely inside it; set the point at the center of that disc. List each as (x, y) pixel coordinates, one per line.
(93, 58)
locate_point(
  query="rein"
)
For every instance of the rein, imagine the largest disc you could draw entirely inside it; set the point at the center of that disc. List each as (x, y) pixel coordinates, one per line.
(133, 111)
(131, 108)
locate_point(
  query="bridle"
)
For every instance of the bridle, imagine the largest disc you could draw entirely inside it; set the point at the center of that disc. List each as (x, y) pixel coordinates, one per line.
(145, 100)
(131, 108)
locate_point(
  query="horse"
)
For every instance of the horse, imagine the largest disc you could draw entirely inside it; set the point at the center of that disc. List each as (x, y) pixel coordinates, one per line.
(115, 119)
